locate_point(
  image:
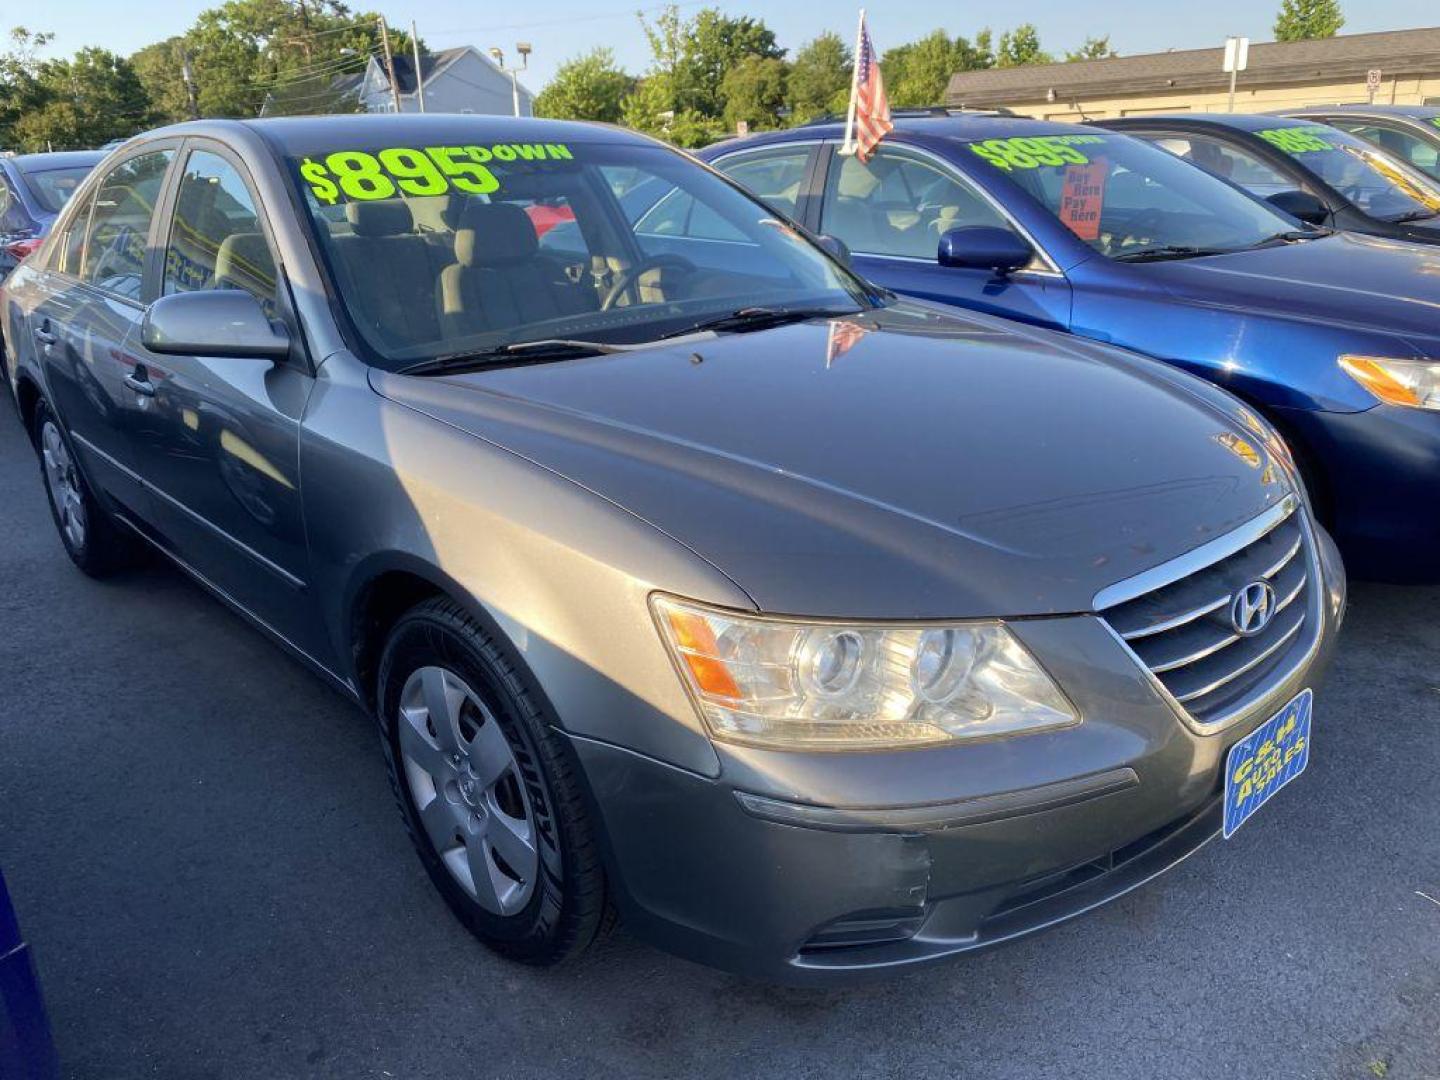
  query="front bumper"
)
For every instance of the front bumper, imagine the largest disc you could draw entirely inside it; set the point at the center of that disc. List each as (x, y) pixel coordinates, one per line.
(814, 868)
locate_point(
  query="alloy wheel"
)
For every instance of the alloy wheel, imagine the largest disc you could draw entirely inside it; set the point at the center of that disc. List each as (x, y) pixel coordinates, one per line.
(466, 786)
(64, 484)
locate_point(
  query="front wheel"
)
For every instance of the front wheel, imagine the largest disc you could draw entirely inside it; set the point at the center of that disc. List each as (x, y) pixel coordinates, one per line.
(487, 789)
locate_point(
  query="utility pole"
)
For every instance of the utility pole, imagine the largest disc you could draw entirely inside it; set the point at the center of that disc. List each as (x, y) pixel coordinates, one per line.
(188, 74)
(389, 63)
(419, 75)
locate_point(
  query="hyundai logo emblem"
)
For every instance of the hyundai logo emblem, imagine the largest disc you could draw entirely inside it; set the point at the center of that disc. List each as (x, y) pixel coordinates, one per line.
(1253, 608)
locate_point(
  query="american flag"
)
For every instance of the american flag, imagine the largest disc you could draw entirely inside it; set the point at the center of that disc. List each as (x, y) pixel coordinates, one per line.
(872, 107)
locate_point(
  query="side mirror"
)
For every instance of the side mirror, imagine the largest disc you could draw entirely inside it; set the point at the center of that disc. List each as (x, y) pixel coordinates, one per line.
(984, 247)
(837, 248)
(1302, 205)
(213, 322)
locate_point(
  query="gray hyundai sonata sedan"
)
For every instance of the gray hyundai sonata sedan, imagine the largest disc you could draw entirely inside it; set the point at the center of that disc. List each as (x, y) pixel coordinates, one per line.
(690, 578)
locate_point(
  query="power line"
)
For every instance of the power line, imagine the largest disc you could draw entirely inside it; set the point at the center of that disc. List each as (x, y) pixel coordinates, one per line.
(319, 68)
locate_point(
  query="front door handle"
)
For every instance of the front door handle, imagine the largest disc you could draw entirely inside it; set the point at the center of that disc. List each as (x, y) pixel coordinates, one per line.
(139, 381)
(44, 336)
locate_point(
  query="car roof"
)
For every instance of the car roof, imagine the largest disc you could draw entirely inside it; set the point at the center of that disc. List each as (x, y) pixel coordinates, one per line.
(62, 159)
(287, 131)
(1419, 112)
(1238, 121)
(961, 126)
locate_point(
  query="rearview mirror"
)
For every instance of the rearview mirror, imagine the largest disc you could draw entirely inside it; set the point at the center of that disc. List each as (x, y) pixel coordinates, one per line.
(1300, 204)
(835, 247)
(213, 322)
(984, 247)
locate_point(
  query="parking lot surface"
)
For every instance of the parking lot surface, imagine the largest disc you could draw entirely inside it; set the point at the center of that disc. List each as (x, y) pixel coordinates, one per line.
(206, 858)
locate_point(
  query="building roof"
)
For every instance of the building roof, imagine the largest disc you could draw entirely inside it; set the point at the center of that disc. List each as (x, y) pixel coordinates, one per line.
(432, 64)
(1395, 52)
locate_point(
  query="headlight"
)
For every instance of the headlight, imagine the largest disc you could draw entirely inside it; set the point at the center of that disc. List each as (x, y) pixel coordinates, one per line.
(1415, 383)
(847, 686)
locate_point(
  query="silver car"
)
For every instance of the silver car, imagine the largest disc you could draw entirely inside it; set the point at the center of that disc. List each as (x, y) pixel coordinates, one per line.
(689, 577)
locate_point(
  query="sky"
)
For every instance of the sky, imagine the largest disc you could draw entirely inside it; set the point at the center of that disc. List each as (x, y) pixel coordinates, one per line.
(560, 29)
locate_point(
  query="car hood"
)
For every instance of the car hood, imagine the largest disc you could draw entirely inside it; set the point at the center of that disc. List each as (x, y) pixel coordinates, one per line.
(906, 463)
(1363, 282)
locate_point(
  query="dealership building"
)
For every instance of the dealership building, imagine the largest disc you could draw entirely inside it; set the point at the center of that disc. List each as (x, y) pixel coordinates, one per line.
(1280, 75)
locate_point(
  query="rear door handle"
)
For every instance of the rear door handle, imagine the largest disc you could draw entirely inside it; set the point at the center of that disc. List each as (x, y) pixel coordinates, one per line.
(141, 384)
(45, 337)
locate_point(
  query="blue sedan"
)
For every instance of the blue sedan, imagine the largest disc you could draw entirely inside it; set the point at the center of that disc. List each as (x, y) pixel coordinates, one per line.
(1332, 336)
(33, 188)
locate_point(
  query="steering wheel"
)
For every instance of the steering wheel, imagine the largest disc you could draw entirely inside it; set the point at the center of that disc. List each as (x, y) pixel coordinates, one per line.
(626, 280)
(1144, 224)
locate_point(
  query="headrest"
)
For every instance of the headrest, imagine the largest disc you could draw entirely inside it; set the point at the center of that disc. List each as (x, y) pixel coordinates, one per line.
(492, 234)
(385, 217)
(244, 260)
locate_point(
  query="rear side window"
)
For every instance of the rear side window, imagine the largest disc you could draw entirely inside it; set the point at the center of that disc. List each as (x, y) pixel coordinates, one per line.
(774, 175)
(216, 241)
(115, 243)
(899, 205)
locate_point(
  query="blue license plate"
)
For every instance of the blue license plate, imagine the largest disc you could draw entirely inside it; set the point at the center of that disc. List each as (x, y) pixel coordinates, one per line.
(1266, 760)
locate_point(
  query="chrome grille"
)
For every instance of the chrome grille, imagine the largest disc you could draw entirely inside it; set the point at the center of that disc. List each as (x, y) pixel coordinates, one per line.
(1177, 618)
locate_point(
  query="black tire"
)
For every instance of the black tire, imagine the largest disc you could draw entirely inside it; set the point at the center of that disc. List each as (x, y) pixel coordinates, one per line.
(567, 905)
(101, 546)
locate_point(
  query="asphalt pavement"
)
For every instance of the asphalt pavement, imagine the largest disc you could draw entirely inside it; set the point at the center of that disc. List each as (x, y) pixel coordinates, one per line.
(205, 856)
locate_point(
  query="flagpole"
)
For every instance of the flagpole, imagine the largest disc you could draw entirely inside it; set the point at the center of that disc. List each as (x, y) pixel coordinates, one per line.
(849, 147)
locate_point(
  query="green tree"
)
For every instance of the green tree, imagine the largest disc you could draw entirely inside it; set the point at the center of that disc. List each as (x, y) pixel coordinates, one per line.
(754, 92)
(247, 54)
(1095, 48)
(712, 45)
(158, 67)
(19, 64)
(587, 87)
(819, 78)
(1301, 20)
(1021, 46)
(917, 73)
(81, 102)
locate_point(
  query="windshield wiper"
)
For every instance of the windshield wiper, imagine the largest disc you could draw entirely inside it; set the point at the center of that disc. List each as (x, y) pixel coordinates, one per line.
(541, 349)
(1415, 215)
(758, 318)
(1166, 251)
(1291, 236)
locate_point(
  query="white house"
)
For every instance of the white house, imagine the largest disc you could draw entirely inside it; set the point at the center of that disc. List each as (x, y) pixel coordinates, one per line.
(463, 80)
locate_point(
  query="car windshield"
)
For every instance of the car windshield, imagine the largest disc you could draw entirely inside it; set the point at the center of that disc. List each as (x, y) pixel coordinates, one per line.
(1128, 199)
(52, 188)
(1378, 184)
(464, 249)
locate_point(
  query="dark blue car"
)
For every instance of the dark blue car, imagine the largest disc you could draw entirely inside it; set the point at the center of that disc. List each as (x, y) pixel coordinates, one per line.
(1408, 132)
(1320, 173)
(27, 1051)
(1334, 337)
(33, 188)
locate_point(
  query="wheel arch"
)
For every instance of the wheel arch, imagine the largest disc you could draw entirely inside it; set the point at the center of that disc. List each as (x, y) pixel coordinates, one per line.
(387, 585)
(28, 398)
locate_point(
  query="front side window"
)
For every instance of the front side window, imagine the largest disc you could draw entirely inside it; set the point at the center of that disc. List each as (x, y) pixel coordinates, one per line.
(216, 241)
(899, 204)
(774, 175)
(1378, 184)
(115, 242)
(471, 245)
(1415, 150)
(1128, 199)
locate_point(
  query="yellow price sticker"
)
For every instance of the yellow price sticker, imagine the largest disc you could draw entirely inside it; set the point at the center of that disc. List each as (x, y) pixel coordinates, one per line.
(362, 175)
(1035, 151)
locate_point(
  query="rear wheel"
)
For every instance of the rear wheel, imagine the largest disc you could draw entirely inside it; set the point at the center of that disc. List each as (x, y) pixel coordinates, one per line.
(97, 543)
(487, 789)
